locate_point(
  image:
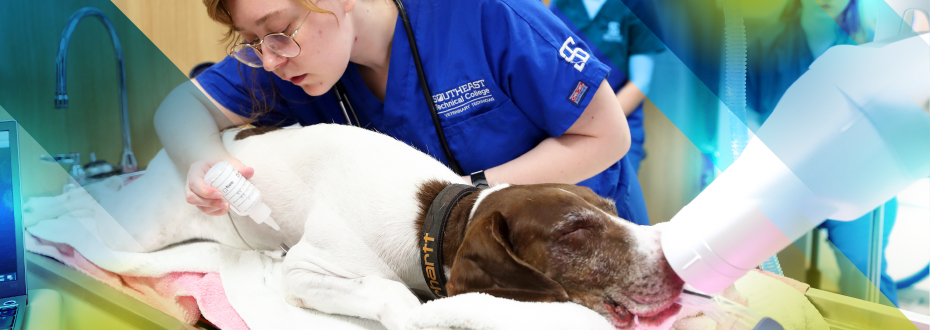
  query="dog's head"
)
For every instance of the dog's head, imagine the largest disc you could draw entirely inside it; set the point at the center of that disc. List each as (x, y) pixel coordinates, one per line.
(556, 242)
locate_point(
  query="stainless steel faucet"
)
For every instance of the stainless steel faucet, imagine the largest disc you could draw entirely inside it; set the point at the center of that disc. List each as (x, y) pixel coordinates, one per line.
(128, 160)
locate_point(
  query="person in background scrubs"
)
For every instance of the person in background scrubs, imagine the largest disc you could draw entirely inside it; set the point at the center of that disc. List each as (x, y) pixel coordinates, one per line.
(783, 39)
(625, 42)
(518, 94)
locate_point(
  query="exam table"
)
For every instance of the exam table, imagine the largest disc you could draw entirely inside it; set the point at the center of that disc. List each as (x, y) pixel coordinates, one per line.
(85, 303)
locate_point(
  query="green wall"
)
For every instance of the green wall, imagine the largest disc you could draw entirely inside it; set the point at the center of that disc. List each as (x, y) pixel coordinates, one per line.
(32, 31)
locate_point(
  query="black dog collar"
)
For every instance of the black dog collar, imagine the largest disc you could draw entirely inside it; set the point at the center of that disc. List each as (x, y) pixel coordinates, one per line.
(434, 228)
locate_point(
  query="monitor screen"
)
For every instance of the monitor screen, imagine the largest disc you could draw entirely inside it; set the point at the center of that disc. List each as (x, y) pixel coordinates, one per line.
(8, 250)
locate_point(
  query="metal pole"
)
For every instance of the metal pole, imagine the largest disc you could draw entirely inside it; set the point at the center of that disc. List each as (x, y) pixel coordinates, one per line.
(874, 269)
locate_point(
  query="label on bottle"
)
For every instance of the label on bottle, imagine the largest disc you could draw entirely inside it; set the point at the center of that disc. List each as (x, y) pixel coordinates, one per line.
(236, 190)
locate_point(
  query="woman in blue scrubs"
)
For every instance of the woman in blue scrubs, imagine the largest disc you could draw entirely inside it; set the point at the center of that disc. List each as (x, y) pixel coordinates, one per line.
(519, 96)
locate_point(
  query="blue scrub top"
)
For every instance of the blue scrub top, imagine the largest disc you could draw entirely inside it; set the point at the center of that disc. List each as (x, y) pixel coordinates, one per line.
(617, 33)
(497, 70)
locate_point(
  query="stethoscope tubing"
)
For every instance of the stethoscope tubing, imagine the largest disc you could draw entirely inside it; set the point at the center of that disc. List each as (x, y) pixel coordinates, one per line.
(343, 98)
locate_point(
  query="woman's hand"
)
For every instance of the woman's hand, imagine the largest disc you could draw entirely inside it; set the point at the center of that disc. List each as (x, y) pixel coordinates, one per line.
(202, 195)
(188, 123)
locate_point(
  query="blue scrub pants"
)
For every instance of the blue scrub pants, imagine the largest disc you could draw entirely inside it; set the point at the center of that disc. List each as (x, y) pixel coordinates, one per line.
(637, 138)
(636, 155)
(851, 238)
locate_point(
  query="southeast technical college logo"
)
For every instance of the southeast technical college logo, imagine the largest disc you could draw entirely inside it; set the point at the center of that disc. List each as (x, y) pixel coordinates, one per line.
(462, 98)
(573, 55)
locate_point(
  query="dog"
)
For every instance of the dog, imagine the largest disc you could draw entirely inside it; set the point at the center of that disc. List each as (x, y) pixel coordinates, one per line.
(351, 205)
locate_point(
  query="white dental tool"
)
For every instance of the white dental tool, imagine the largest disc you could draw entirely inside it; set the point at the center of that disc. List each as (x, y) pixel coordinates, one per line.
(840, 142)
(241, 195)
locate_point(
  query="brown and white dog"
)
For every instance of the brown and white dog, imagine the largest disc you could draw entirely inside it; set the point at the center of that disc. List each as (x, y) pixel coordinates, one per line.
(351, 204)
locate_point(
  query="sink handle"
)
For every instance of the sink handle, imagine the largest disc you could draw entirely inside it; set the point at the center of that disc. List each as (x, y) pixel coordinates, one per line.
(64, 159)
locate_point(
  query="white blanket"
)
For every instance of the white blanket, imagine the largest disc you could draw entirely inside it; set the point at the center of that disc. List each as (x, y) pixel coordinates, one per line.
(252, 280)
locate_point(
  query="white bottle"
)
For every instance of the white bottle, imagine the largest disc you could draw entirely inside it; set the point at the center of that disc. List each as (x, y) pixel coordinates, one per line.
(242, 196)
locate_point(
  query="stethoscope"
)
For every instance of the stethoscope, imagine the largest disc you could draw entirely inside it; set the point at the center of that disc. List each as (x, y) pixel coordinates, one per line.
(340, 91)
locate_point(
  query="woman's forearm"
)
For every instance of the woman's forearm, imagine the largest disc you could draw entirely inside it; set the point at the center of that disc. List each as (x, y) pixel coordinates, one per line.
(630, 97)
(187, 128)
(596, 141)
(634, 91)
(566, 159)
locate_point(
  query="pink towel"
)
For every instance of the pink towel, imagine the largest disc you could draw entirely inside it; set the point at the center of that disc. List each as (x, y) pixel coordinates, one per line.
(183, 295)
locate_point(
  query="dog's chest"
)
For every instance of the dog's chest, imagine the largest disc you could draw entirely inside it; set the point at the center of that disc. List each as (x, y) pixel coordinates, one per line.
(355, 242)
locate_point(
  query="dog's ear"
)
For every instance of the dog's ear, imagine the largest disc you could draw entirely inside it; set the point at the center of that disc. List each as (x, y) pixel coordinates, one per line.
(486, 263)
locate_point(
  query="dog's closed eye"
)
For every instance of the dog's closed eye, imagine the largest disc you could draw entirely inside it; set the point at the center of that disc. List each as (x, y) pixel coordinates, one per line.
(575, 233)
(576, 226)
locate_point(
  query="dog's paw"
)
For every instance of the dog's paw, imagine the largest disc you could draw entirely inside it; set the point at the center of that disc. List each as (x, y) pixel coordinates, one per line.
(295, 301)
(396, 317)
(397, 304)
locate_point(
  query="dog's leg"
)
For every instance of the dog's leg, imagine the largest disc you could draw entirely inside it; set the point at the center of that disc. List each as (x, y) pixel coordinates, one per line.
(372, 297)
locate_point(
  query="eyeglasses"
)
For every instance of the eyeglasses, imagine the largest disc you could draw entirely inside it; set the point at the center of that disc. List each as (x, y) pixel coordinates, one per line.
(250, 53)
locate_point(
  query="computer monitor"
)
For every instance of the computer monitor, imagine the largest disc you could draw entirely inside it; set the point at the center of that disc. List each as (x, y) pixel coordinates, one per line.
(12, 255)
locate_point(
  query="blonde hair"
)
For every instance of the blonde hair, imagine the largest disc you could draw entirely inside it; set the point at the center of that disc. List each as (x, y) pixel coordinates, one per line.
(219, 12)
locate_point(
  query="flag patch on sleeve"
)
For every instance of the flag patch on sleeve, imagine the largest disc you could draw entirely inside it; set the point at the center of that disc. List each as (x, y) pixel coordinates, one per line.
(578, 94)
